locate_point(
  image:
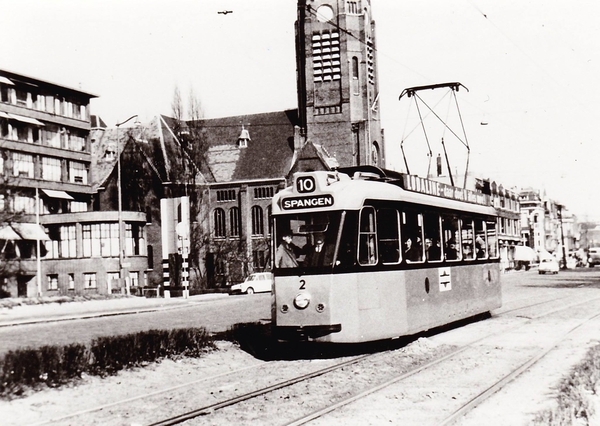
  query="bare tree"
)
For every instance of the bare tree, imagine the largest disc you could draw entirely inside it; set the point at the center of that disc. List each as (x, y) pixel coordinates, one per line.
(190, 168)
(10, 265)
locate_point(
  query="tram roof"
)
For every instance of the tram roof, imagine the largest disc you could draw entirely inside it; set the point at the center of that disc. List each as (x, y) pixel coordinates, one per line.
(349, 188)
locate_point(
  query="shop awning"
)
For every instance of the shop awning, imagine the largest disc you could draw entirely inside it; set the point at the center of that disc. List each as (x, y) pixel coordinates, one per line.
(3, 114)
(7, 233)
(24, 119)
(30, 231)
(6, 80)
(57, 194)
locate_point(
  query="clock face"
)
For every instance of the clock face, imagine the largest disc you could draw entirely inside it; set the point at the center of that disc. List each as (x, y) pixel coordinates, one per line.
(325, 13)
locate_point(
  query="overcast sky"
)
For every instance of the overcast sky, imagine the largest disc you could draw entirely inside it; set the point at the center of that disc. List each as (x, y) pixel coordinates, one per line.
(531, 66)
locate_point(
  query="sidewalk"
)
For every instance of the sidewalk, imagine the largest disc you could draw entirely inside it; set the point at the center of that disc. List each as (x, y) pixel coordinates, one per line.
(50, 312)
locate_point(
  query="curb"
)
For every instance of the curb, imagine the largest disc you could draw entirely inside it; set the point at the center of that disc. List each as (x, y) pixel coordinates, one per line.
(129, 311)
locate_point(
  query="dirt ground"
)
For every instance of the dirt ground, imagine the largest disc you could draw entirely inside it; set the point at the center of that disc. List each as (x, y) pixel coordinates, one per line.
(525, 396)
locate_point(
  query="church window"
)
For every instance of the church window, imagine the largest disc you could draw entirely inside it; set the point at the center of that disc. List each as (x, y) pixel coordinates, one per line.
(326, 56)
(219, 223)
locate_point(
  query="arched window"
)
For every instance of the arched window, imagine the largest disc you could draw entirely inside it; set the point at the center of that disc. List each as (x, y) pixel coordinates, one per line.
(375, 154)
(257, 221)
(234, 221)
(219, 223)
(355, 67)
(355, 81)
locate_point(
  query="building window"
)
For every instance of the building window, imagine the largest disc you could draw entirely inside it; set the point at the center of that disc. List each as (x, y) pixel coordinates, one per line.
(78, 172)
(89, 280)
(112, 279)
(234, 221)
(71, 281)
(135, 279)
(263, 192)
(135, 239)
(257, 221)
(77, 206)
(22, 165)
(52, 137)
(226, 195)
(219, 223)
(109, 239)
(91, 240)
(23, 204)
(370, 61)
(326, 56)
(51, 169)
(258, 260)
(76, 143)
(52, 281)
(150, 255)
(352, 7)
(269, 221)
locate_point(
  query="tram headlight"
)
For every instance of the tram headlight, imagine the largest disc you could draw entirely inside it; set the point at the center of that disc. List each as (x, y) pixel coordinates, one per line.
(302, 300)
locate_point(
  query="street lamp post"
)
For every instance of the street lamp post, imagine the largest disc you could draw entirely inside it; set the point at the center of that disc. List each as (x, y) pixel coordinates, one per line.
(122, 264)
(562, 237)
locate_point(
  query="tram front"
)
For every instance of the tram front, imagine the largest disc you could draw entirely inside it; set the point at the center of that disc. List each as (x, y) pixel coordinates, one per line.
(311, 246)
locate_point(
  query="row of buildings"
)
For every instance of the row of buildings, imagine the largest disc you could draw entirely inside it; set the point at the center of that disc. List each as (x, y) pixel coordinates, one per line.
(88, 208)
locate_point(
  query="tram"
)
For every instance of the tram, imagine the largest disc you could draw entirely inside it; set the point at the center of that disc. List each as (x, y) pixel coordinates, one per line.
(364, 254)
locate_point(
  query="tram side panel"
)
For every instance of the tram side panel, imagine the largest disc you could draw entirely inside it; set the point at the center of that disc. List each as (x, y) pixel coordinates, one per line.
(442, 295)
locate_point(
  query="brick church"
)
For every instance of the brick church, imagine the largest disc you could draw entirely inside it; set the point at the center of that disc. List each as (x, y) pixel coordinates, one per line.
(211, 180)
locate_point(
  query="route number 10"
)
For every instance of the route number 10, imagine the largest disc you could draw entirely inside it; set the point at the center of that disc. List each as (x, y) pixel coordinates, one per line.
(305, 184)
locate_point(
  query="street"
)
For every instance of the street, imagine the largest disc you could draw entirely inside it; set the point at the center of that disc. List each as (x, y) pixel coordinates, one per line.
(215, 315)
(219, 314)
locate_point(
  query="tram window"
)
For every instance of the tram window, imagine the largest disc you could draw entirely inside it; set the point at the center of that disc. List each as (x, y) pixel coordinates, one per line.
(492, 239)
(481, 246)
(432, 237)
(388, 236)
(451, 237)
(412, 232)
(467, 239)
(367, 244)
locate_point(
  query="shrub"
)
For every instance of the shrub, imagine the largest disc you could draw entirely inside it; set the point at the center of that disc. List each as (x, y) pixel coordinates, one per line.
(56, 365)
(574, 403)
(50, 365)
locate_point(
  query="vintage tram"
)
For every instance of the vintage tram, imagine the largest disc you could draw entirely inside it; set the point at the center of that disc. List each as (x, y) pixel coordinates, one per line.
(363, 254)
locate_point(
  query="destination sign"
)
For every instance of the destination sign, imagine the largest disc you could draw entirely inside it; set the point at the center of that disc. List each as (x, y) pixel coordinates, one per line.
(296, 203)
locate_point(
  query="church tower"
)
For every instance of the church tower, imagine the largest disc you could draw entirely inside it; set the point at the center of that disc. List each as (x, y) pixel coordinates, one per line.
(338, 88)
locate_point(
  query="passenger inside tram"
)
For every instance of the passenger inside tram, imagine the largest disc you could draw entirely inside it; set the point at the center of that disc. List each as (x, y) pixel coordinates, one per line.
(412, 252)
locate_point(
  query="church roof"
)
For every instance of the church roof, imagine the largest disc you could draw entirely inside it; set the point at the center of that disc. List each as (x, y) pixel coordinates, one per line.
(266, 153)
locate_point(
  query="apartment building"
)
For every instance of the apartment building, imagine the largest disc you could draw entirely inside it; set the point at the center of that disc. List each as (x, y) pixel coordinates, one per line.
(60, 245)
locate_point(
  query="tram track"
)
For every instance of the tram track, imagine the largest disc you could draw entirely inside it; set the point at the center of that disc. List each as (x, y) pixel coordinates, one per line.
(207, 410)
(365, 392)
(508, 378)
(476, 400)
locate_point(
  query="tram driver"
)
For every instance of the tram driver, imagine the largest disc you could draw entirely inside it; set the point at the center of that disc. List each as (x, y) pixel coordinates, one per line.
(319, 254)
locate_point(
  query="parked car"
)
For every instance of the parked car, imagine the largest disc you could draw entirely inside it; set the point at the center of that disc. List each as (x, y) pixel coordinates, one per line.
(593, 256)
(258, 282)
(548, 264)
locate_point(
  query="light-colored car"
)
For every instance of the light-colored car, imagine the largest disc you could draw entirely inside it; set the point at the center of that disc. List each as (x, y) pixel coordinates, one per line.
(548, 265)
(593, 256)
(258, 282)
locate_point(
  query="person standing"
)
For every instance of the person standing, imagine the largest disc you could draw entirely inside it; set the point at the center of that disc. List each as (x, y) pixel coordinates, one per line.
(285, 257)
